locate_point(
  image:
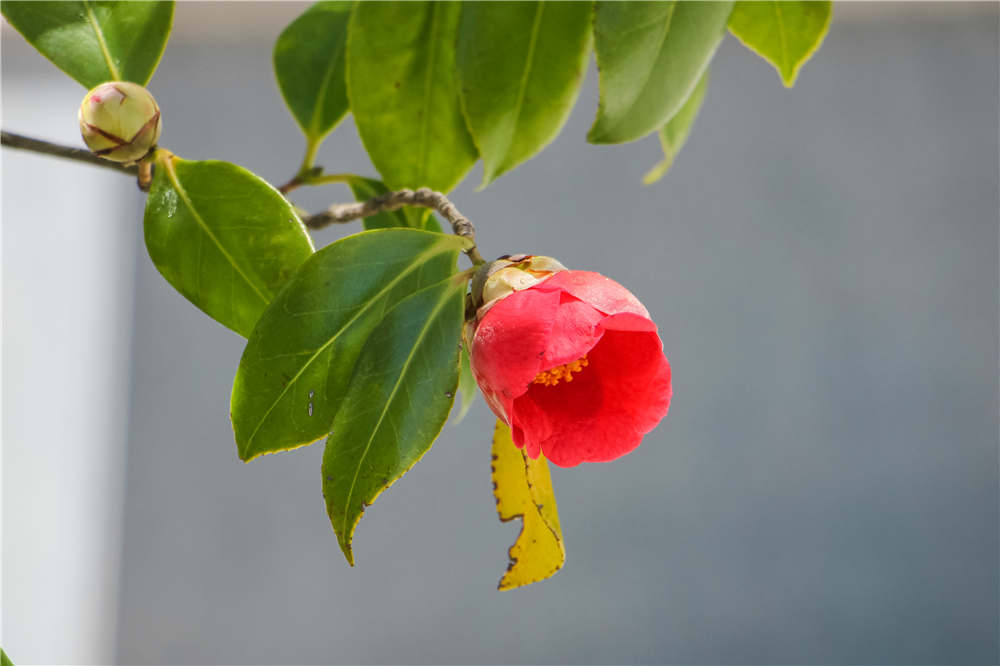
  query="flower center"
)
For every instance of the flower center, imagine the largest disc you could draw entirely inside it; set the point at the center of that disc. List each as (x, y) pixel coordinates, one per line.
(565, 372)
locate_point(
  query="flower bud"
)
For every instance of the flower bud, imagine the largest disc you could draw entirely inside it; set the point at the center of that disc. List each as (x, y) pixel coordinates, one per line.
(120, 121)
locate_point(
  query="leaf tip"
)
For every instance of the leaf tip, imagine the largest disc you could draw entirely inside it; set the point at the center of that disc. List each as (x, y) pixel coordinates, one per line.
(658, 171)
(348, 552)
(597, 136)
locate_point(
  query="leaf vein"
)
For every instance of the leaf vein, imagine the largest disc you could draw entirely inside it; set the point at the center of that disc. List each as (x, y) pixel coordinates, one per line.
(172, 174)
(417, 261)
(115, 75)
(442, 301)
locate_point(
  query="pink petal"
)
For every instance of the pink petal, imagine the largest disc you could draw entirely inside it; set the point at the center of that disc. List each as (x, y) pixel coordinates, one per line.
(511, 340)
(599, 291)
(607, 408)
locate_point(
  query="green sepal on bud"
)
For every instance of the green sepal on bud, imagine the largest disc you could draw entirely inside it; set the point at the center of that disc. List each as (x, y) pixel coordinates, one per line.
(120, 121)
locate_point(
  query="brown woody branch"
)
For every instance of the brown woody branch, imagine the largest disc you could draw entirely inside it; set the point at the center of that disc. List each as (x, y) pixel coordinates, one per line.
(17, 141)
(423, 197)
(336, 214)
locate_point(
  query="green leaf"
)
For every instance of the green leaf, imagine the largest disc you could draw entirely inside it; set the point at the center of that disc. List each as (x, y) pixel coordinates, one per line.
(298, 362)
(406, 217)
(398, 400)
(4, 659)
(94, 41)
(521, 65)
(675, 132)
(467, 387)
(223, 237)
(309, 65)
(523, 489)
(785, 34)
(401, 83)
(650, 56)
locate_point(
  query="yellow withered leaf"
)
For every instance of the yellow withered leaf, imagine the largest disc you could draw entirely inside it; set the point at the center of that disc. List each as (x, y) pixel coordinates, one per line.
(523, 489)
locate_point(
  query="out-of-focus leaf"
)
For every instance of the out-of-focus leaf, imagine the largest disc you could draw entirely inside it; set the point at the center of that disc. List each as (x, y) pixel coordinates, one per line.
(467, 387)
(523, 489)
(675, 132)
(407, 217)
(4, 659)
(785, 34)
(521, 65)
(300, 358)
(398, 399)
(223, 237)
(309, 65)
(650, 56)
(95, 41)
(401, 83)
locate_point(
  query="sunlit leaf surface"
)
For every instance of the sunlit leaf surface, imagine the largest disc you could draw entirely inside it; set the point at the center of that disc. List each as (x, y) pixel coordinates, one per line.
(309, 64)
(785, 34)
(94, 41)
(223, 237)
(401, 83)
(650, 56)
(520, 65)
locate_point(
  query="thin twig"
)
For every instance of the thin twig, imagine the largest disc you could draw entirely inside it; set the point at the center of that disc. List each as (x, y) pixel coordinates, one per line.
(423, 197)
(336, 214)
(12, 140)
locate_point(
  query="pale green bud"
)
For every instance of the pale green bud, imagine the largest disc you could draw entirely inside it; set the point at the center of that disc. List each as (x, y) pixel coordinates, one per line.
(120, 121)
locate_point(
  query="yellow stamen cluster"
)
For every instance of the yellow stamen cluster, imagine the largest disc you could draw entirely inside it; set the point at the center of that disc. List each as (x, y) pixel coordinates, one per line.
(561, 372)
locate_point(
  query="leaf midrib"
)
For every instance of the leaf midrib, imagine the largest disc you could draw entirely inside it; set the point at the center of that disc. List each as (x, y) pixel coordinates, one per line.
(428, 84)
(446, 295)
(115, 75)
(525, 75)
(321, 94)
(175, 181)
(782, 40)
(665, 32)
(418, 261)
(614, 124)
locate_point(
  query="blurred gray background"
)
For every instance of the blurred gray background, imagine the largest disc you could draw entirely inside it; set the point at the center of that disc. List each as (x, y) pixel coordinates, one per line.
(823, 266)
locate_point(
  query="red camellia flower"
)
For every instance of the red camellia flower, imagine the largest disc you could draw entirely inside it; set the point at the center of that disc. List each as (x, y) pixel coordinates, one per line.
(570, 360)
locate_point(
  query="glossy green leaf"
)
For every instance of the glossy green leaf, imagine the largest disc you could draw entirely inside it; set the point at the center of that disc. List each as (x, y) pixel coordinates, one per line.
(4, 659)
(401, 83)
(650, 56)
(675, 132)
(223, 237)
(785, 34)
(299, 360)
(467, 387)
(96, 41)
(399, 397)
(406, 217)
(521, 65)
(523, 489)
(309, 65)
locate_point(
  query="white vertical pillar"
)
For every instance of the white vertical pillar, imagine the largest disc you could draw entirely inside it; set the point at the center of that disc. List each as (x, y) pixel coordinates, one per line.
(69, 233)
